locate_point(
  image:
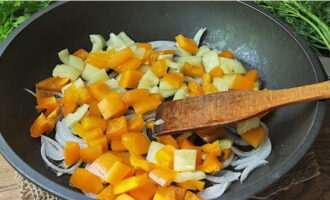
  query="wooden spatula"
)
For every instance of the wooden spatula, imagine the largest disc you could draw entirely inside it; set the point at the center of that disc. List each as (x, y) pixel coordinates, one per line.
(223, 108)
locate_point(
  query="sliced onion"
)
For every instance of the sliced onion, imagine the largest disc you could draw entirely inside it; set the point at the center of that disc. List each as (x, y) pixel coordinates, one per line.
(63, 135)
(243, 153)
(214, 191)
(159, 122)
(163, 44)
(229, 160)
(30, 92)
(57, 169)
(90, 195)
(53, 149)
(261, 154)
(151, 115)
(251, 167)
(224, 176)
(199, 35)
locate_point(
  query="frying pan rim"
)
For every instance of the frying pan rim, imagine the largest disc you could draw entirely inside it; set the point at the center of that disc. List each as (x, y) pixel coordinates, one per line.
(64, 192)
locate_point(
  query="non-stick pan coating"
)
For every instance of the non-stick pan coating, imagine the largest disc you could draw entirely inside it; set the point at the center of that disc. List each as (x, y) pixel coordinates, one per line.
(258, 40)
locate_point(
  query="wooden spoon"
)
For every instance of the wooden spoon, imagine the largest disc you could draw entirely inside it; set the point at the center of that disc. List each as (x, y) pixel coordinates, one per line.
(223, 108)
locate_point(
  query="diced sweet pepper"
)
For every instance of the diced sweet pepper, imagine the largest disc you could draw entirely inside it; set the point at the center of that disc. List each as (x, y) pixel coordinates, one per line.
(99, 141)
(192, 185)
(192, 196)
(120, 57)
(145, 192)
(133, 96)
(93, 109)
(131, 183)
(131, 64)
(130, 78)
(116, 128)
(163, 193)
(149, 104)
(47, 103)
(159, 68)
(106, 194)
(100, 59)
(102, 165)
(117, 172)
(41, 125)
(227, 54)
(226, 154)
(168, 139)
(186, 44)
(213, 148)
(90, 154)
(174, 79)
(86, 181)
(90, 122)
(87, 134)
(81, 53)
(193, 70)
(117, 145)
(165, 156)
(180, 192)
(255, 136)
(136, 142)
(216, 72)
(54, 84)
(162, 176)
(124, 196)
(195, 89)
(71, 153)
(210, 164)
(138, 162)
(111, 106)
(99, 90)
(136, 124)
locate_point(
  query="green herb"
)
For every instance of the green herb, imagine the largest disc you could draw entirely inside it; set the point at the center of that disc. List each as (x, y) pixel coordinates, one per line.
(310, 19)
(13, 13)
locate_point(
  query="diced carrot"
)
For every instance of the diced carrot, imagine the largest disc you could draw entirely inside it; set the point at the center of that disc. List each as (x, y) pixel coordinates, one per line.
(192, 185)
(41, 125)
(136, 124)
(81, 53)
(159, 68)
(71, 153)
(192, 196)
(131, 183)
(145, 192)
(163, 193)
(131, 64)
(162, 176)
(133, 96)
(116, 127)
(193, 70)
(186, 44)
(227, 54)
(194, 88)
(226, 154)
(180, 192)
(86, 181)
(53, 84)
(136, 142)
(106, 194)
(255, 136)
(99, 90)
(91, 122)
(168, 139)
(99, 141)
(90, 154)
(149, 104)
(120, 57)
(213, 149)
(47, 103)
(111, 106)
(165, 156)
(117, 145)
(124, 196)
(100, 59)
(130, 79)
(174, 79)
(138, 162)
(117, 172)
(210, 164)
(102, 165)
(216, 72)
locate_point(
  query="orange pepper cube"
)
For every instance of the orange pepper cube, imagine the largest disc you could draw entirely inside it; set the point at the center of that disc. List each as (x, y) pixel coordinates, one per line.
(192, 185)
(213, 148)
(227, 54)
(116, 127)
(255, 136)
(90, 154)
(71, 153)
(41, 125)
(117, 172)
(245, 82)
(136, 142)
(87, 134)
(102, 165)
(168, 139)
(145, 192)
(193, 70)
(47, 103)
(117, 145)
(138, 162)
(174, 79)
(81, 53)
(131, 183)
(111, 106)
(162, 176)
(106, 194)
(99, 141)
(86, 181)
(90, 122)
(192, 196)
(133, 96)
(159, 68)
(210, 164)
(124, 196)
(165, 156)
(194, 88)
(54, 84)
(99, 90)
(186, 44)
(120, 57)
(131, 64)
(216, 72)
(180, 193)
(163, 193)
(130, 79)
(149, 104)
(136, 124)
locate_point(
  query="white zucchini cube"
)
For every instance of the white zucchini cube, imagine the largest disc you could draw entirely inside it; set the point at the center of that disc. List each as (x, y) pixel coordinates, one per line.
(194, 60)
(88, 71)
(231, 66)
(153, 149)
(202, 50)
(182, 92)
(98, 42)
(246, 125)
(210, 61)
(189, 176)
(148, 80)
(64, 56)
(185, 159)
(101, 74)
(125, 39)
(66, 71)
(76, 62)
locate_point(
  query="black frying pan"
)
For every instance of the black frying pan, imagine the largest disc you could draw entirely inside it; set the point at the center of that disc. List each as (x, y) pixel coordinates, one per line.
(258, 40)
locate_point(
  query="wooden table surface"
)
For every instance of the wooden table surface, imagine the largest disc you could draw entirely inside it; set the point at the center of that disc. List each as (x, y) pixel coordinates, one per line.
(317, 188)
